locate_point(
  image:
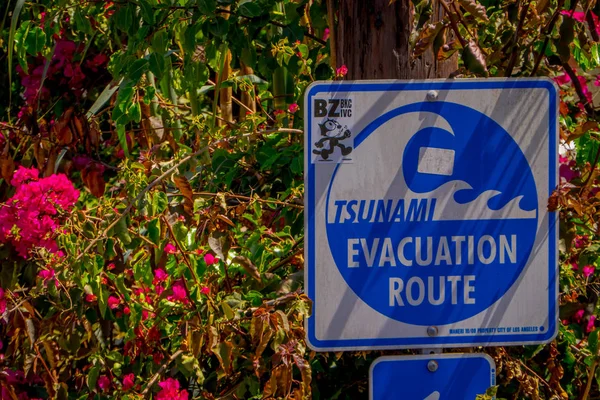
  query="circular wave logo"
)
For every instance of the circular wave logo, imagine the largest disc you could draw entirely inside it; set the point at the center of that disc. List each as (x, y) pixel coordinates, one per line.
(440, 218)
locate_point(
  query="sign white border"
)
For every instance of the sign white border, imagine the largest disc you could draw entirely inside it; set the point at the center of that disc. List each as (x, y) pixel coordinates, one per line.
(309, 217)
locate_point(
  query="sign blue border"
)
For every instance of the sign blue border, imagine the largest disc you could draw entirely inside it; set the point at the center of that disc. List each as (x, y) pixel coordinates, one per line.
(426, 341)
(394, 360)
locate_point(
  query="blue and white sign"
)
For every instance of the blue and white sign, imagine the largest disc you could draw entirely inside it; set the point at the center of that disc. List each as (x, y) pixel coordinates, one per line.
(431, 377)
(426, 218)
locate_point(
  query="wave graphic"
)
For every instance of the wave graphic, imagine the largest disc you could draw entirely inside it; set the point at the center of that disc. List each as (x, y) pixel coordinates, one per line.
(447, 209)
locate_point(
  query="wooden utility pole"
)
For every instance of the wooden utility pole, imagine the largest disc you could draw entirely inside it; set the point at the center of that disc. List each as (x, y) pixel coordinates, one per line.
(372, 40)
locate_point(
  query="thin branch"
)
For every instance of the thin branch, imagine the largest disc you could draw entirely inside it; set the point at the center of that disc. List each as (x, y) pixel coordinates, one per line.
(515, 52)
(160, 371)
(579, 89)
(590, 378)
(589, 18)
(293, 252)
(453, 24)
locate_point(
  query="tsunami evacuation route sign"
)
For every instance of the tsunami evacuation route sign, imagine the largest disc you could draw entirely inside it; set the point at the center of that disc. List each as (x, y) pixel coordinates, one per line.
(426, 213)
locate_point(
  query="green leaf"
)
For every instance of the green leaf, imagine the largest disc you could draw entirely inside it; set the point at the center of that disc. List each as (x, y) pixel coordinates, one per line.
(124, 18)
(122, 138)
(596, 53)
(157, 64)
(121, 230)
(120, 282)
(102, 299)
(149, 93)
(106, 94)
(20, 45)
(154, 231)
(135, 112)
(248, 56)
(219, 26)
(159, 202)
(35, 41)
(11, 41)
(147, 12)
(82, 23)
(303, 49)
(137, 69)
(248, 8)
(207, 6)
(593, 342)
(92, 377)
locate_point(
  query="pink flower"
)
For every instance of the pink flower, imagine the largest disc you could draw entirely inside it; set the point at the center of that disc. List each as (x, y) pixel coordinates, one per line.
(591, 324)
(341, 71)
(113, 302)
(90, 298)
(2, 301)
(170, 390)
(293, 108)
(562, 79)
(103, 383)
(325, 34)
(126, 310)
(578, 316)
(24, 175)
(48, 275)
(31, 217)
(580, 241)
(179, 292)
(584, 88)
(578, 16)
(205, 290)
(588, 270)
(209, 259)
(566, 171)
(128, 381)
(160, 275)
(170, 249)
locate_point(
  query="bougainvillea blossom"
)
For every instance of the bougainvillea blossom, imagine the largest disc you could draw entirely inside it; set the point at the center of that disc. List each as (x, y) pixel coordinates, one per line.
(31, 217)
(170, 390)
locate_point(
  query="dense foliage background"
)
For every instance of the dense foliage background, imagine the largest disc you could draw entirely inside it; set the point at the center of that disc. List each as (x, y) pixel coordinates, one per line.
(151, 226)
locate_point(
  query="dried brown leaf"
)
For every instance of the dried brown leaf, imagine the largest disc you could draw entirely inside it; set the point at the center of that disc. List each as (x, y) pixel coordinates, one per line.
(186, 190)
(93, 180)
(248, 266)
(583, 129)
(7, 168)
(474, 59)
(475, 9)
(426, 38)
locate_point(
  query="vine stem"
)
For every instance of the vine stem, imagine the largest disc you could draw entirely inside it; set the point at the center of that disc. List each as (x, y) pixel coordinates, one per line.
(450, 14)
(590, 376)
(160, 371)
(579, 89)
(166, 174)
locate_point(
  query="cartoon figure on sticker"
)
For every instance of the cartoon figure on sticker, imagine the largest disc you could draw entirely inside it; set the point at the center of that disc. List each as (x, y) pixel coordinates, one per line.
(333, 133)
